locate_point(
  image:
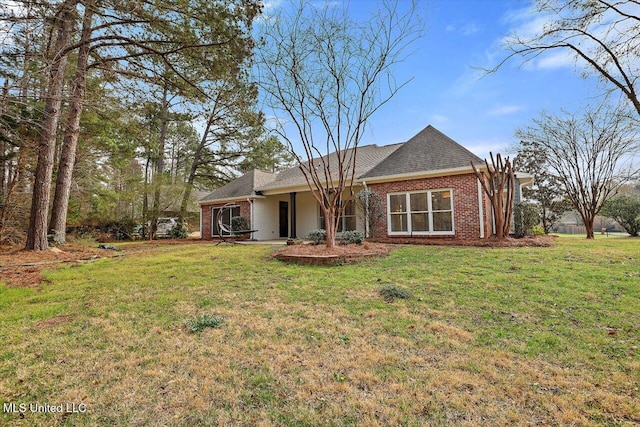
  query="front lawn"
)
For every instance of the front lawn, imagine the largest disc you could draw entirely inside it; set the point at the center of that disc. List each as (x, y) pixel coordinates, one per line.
(529, 336)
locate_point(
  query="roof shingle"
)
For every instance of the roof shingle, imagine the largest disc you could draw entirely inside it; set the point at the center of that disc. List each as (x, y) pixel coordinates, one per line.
(241, 187)
(429, 150)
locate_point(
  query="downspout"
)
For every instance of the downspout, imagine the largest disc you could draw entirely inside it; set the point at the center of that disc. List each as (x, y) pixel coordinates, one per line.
(201, 211)
(366, 210)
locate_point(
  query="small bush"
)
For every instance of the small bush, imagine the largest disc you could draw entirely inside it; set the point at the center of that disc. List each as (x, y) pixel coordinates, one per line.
(198, 323)
(240, 223)
(356, 237)
(56, 238)
(317, 236)
(180, 231)
(525, 217)
(538, 230)
(393, 292)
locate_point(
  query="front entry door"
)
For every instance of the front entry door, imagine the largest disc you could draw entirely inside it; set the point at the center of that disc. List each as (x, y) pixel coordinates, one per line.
(284, 219)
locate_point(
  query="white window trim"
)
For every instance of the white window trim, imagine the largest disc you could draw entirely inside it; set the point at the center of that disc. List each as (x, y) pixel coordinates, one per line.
(430, 212)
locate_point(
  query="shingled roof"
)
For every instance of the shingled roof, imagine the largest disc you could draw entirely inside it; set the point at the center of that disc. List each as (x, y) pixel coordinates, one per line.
(367, 157)
(429, 150)
(243, 186)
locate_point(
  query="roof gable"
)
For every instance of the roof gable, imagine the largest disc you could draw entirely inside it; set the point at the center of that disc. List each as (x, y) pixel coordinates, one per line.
(429, 150)
(243, 186)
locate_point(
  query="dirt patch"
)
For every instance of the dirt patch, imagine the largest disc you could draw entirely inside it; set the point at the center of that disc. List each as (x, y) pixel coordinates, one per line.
(320, 255)
(48, 323)
(542, 241)
(19, 267)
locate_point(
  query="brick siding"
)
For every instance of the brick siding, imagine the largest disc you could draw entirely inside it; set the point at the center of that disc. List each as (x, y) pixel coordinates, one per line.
(465, 203)
(206, 212)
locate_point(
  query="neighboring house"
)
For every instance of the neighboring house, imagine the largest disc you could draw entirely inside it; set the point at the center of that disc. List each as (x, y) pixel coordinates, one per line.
(427, 186)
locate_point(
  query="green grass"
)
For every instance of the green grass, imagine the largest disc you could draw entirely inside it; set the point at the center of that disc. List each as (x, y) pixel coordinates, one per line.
(521, 336)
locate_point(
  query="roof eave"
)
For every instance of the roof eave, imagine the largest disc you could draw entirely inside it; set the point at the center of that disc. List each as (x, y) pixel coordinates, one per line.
(229, 199)
(423, 174)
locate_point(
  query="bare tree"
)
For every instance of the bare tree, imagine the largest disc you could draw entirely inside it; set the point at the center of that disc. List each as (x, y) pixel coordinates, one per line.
(322, 73)
(499, 182)
(591, 155)
(600, 34)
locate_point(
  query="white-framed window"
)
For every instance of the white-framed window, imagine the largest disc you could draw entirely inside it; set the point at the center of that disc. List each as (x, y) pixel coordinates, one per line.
(420, 212)
(226, 218)
(347, 220)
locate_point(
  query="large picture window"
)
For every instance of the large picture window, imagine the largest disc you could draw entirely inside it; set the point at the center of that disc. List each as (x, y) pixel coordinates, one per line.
(226, 219)
(347, 221)
(421, 212)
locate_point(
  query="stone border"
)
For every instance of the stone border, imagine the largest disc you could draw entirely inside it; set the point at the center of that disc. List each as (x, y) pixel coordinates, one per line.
(328, 259)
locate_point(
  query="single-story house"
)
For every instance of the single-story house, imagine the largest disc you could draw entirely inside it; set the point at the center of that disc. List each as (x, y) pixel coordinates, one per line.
(427, 186)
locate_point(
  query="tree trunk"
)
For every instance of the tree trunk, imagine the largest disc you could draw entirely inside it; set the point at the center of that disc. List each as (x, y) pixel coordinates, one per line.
(588, 225)
(3, 146)
(330, 225)
(37, 232)
(157, 176)
(72, 131)
(193, 171)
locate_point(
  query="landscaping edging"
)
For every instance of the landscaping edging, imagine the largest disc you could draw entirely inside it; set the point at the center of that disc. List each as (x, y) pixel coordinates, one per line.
(332, 259)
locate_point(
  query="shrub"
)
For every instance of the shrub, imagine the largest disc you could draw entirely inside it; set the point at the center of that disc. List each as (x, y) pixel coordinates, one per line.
(538, 230)
(356, 237)
(525, 216)
(200, 322)
(371, 203)
(317, 236)
(240, 223)
(179, 231)
(393, 292)
(625, 210)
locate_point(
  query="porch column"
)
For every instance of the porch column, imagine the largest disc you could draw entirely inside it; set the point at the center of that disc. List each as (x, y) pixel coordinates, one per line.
(292, 199)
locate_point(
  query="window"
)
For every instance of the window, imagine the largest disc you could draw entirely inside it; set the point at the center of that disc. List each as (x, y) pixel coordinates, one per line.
(347, 221)
(421, 212)
(226, 218)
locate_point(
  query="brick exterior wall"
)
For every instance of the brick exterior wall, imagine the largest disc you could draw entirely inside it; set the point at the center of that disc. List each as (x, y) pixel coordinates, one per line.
(465, 203)
(206, 212)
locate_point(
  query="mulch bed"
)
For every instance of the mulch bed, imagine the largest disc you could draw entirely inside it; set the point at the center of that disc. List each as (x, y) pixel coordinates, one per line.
(341, 254)
(540, 242)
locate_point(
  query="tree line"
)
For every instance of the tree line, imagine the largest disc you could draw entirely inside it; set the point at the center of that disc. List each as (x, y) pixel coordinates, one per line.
(102, 104)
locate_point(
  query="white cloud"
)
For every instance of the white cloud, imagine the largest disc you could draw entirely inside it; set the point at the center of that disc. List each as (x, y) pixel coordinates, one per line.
(558, 59)
(469, 29)
(504, 110)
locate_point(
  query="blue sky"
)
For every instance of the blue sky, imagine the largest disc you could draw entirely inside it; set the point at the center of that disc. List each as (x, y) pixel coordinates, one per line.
(479, 111)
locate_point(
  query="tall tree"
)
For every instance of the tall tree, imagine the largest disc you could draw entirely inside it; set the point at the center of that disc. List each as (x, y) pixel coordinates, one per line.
(588, 154)
(602, 35)
(322, 71)
(139, 40)
(72, 131)
(547, 190)
(63, 22)
(232, 123)
(266, 154)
